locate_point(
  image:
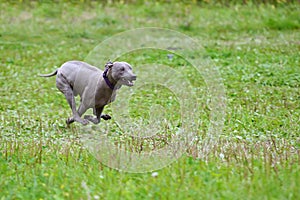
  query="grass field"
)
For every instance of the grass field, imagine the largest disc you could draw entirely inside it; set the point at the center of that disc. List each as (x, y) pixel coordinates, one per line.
(256, 49)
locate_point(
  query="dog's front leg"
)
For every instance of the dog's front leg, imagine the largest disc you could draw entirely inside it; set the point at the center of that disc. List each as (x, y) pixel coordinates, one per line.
(97, 112)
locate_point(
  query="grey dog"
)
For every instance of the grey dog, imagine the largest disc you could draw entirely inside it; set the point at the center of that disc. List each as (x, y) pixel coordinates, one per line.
(95, 87)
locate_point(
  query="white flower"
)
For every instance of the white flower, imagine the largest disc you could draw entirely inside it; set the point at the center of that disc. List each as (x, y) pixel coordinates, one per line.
(154, 174)
(221, 156)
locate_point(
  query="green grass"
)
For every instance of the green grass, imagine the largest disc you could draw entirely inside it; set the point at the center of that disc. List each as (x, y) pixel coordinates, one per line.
(256, 50)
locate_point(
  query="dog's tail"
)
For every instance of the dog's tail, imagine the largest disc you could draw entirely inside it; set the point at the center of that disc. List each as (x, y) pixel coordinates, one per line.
(48, 75)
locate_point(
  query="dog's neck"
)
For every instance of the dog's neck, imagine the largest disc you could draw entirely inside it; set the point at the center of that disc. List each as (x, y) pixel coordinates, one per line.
(110, 82)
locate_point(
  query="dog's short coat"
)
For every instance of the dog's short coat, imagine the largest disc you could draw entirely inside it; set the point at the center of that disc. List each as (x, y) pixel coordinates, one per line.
(96, 88)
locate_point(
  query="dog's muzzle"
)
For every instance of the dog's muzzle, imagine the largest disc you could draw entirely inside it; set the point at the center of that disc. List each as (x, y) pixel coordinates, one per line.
(129, 80)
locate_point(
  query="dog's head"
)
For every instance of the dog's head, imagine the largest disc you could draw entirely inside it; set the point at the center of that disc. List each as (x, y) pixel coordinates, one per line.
(122, 73)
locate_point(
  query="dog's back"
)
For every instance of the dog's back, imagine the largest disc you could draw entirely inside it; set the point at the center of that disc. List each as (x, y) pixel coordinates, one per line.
(81, 76)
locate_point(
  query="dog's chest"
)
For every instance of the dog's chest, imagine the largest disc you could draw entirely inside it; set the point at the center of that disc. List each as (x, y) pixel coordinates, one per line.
(103, 97)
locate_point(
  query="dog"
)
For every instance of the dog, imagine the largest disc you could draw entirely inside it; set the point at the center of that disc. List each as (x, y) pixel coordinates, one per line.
(95, 87)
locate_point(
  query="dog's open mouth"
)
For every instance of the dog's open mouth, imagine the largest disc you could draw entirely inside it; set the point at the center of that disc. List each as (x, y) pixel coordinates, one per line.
(128, 82)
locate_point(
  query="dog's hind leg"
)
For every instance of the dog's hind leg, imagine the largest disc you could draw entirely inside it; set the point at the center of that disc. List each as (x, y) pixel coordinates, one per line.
(63, 85)
(80, 111)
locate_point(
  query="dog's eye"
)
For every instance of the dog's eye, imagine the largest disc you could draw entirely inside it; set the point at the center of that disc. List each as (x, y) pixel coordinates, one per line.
(122, 69)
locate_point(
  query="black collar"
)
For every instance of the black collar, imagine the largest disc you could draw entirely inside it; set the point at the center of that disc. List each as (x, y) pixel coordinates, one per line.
(110, 85)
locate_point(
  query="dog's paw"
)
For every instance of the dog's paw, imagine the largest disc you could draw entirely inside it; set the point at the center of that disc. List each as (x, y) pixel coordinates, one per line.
(69, 121)
(84, 122)
(92, 119)
(105, 117)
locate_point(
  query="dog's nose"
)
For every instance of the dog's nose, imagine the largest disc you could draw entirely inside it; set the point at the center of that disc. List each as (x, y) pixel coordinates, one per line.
(133, 77)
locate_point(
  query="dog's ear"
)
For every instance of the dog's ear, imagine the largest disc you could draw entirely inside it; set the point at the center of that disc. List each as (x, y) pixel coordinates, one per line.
(109, 64)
